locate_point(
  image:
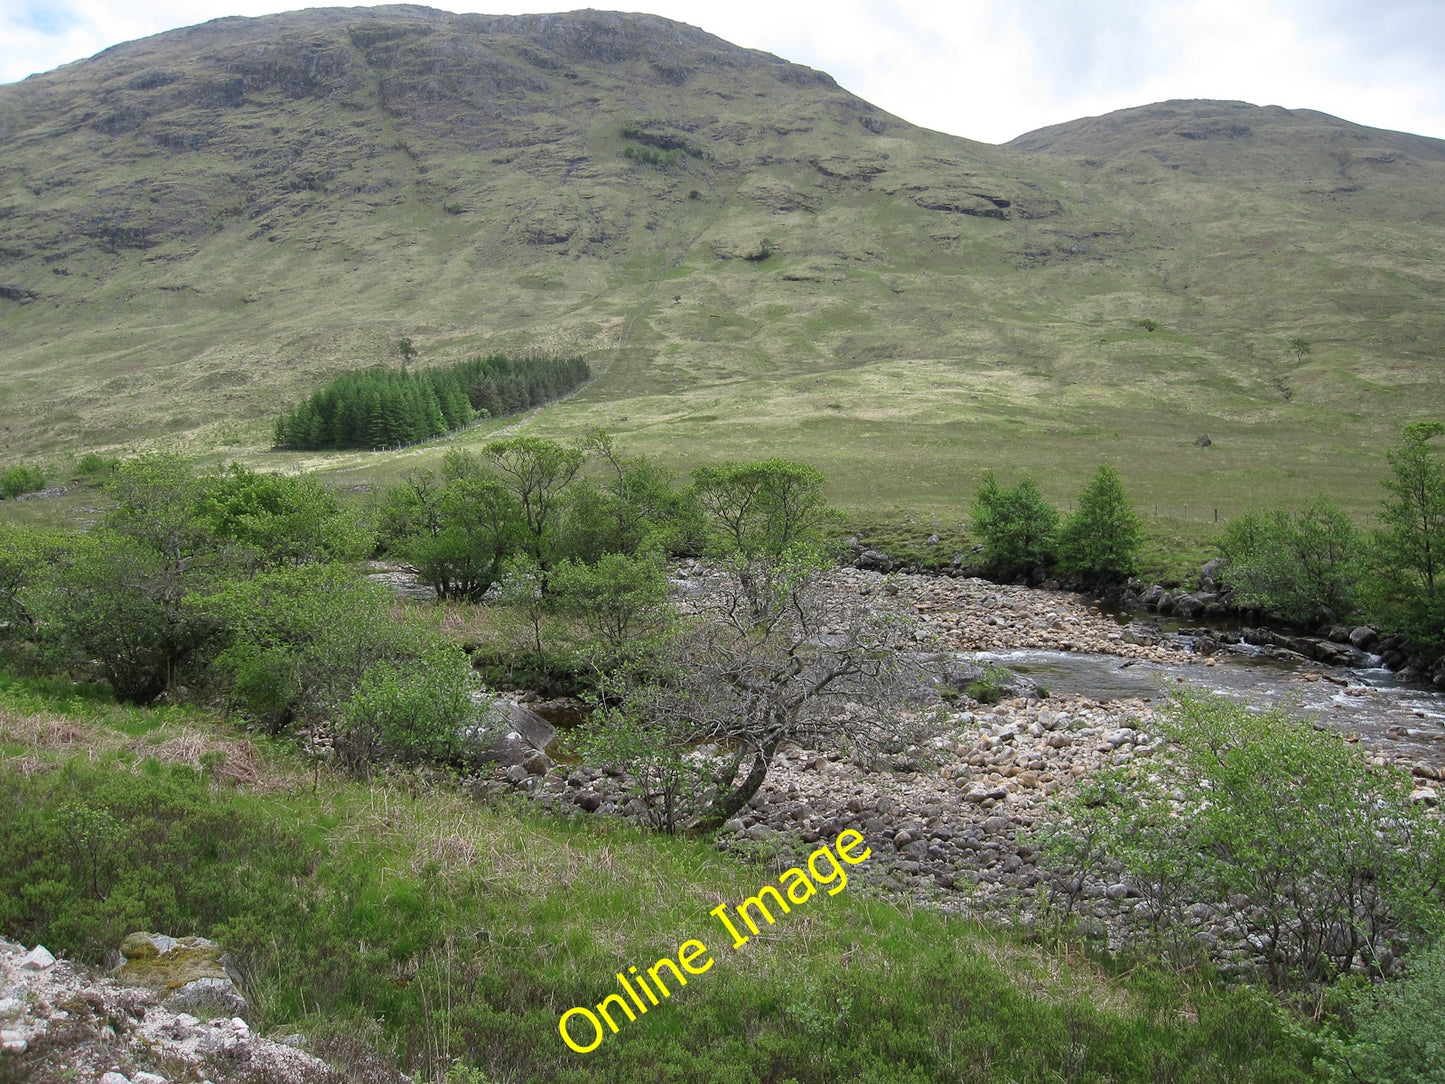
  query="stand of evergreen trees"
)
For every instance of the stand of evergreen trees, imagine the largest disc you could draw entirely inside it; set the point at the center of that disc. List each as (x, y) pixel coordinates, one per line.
(380, 408)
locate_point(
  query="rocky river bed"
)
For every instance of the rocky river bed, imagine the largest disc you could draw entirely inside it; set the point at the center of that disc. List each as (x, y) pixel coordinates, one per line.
(956, 821)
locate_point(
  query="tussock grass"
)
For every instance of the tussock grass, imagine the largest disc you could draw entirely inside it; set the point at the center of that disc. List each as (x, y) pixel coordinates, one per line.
(405, 916)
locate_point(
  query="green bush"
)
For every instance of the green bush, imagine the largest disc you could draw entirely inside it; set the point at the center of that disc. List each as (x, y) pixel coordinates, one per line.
(1302, 567)
(1321, 858)
(1397, 1036)
(280, 519)
(19, 479)
(1101, 541)
(620, 601)
(414, 713)
(1018, 528)
(298, 641)
(112, 606)
(96, 467)
(991, 686)
(1407, 578)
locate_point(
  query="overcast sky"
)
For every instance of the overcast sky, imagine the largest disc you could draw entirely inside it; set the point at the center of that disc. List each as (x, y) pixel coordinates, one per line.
(984, 69)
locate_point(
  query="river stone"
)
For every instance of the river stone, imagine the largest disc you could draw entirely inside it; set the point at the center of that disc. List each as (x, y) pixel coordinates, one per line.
(1362, 637)
(1188, 606)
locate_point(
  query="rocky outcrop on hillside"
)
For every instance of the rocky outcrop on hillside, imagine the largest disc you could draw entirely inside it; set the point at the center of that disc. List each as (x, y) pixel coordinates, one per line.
(60, 1022)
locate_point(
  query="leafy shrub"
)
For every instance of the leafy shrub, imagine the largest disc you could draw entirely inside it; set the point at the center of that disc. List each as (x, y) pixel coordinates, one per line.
(19, 479)
(298, 641)
(991, 686)
(95, 466)
(413, 713)
(1101, 541)
(1019, 529)
(1397, 1037)
(1323, 860)
(111, 605)
(281, 519)
(1295, 566)
(1407, 581)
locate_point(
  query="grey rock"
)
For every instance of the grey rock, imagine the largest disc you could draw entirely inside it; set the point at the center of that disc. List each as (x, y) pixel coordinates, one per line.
(38, 959)
(1363, 637)
(207, 997)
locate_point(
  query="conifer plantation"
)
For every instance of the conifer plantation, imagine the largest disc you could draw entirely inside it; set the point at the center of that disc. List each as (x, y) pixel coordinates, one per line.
(380, 408)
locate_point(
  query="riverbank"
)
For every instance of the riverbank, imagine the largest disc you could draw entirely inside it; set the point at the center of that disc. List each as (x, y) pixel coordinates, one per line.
(957, 821)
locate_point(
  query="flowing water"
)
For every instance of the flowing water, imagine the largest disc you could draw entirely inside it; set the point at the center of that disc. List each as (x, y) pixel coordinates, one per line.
(1402, 719)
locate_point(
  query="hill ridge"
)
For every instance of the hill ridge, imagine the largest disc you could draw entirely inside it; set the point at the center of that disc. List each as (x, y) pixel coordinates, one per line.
(199, 228)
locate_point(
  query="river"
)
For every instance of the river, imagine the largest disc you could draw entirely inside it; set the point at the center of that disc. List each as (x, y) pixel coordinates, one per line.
(1399, 718)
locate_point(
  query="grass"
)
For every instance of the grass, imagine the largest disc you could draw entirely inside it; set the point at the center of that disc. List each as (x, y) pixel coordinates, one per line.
(409, 916)
(900, 348)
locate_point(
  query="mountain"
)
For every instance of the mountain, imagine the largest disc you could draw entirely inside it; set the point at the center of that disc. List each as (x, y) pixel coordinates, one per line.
(198, 228)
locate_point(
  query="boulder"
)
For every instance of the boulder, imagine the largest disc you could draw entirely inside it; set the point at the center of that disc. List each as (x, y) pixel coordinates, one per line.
(874, 560)
(38, 959)
(1188, 607)
(1362, 637)
(188, 973)
(1209, 574)
(510, 733)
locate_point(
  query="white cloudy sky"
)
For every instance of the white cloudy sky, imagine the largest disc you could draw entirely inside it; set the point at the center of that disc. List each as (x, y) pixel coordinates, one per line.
(985, 69)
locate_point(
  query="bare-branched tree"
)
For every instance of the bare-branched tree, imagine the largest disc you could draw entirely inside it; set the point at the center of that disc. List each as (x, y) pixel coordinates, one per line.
(772, 652)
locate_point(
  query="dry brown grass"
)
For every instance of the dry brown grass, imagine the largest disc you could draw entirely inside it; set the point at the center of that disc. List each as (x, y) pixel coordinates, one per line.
(237, 762)
(44, 738)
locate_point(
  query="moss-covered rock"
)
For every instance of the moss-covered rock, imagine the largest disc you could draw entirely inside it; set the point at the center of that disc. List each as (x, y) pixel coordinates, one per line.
(188, 973)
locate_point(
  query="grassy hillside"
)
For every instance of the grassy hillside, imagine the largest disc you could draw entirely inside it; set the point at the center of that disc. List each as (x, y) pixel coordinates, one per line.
(403, 918)
(198, 229)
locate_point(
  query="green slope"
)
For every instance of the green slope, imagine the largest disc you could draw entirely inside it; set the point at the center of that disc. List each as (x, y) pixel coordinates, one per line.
(199, 228)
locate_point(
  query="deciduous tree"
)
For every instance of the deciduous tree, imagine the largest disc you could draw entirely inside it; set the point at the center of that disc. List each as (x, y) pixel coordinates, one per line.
(1101, 541)
(1018, 528)
(1407, 585)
